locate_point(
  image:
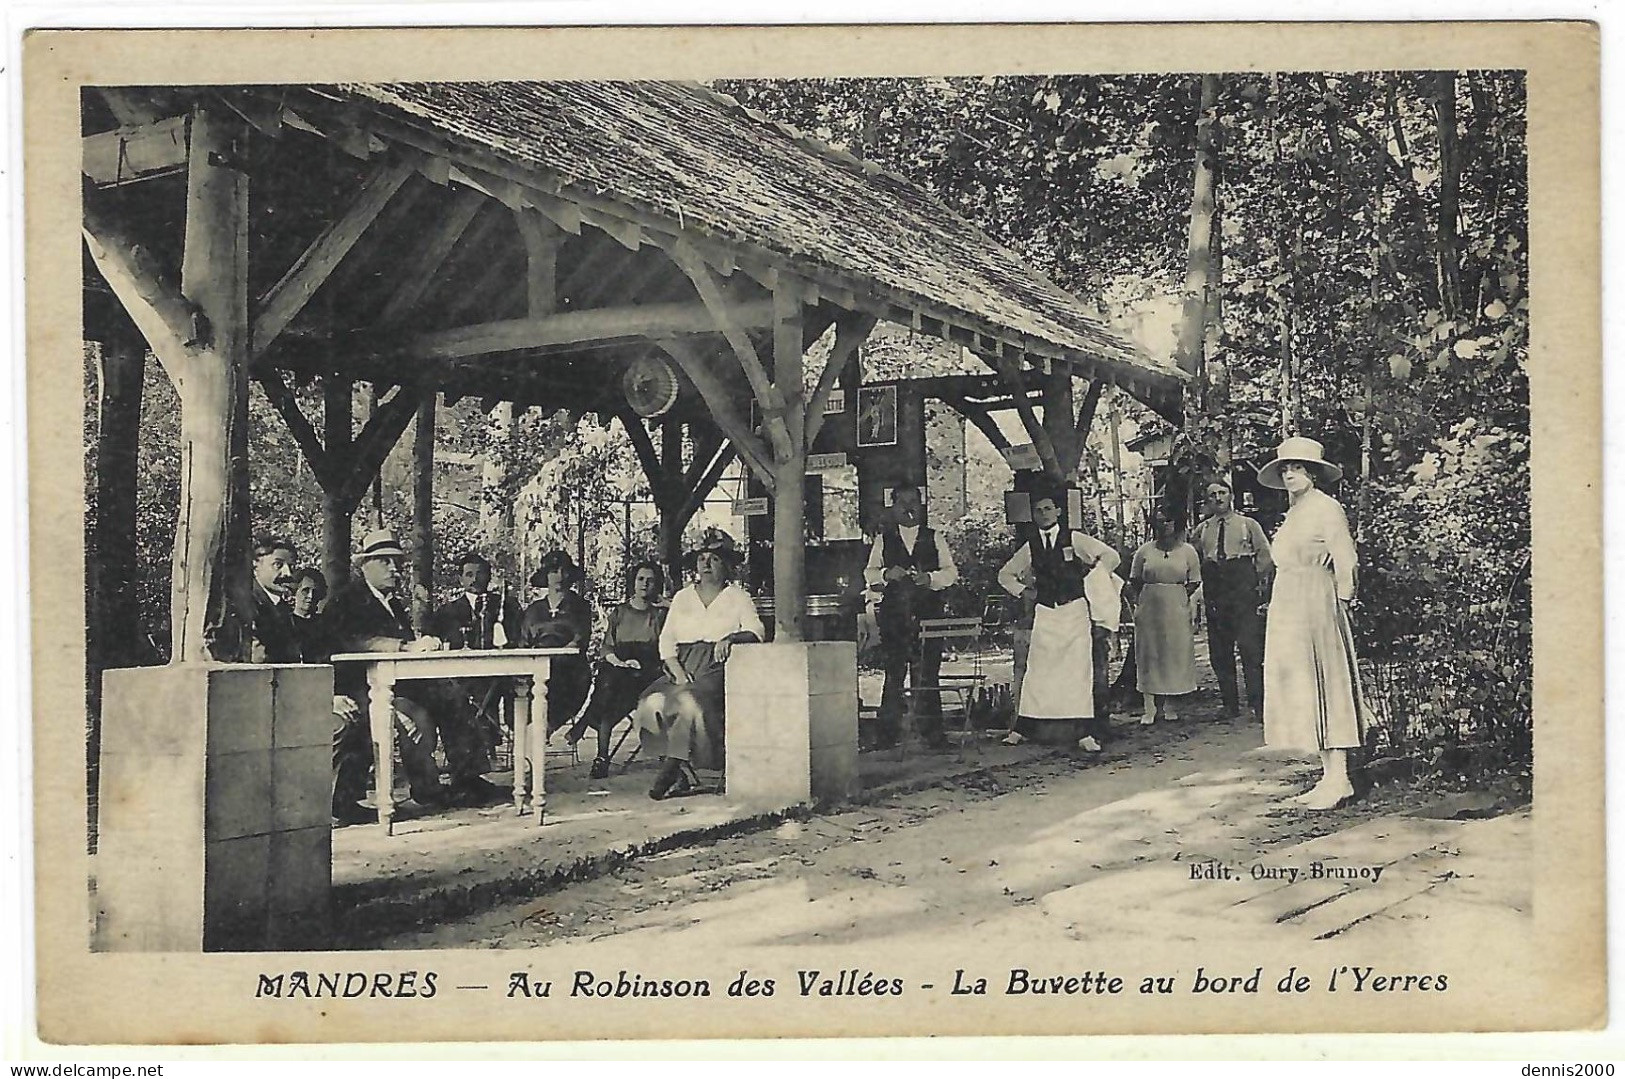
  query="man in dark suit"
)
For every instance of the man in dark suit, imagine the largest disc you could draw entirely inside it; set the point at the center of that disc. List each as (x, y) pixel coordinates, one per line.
(273, 639)
(909, 566)
(367, 615)
(477, 618)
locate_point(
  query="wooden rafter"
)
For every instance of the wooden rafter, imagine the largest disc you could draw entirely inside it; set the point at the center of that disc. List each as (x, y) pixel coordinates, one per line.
(702, 486)
(981, 418)
(1010, 370)
(464, 295)
(299, 426)
(638, 434)
(598, 325)
(285, 299)
(382, 430)
(1087, 410)
(734, 330)
(129, 107)
(850, 332)
(420, 274)
(174, 328)
(721, 405)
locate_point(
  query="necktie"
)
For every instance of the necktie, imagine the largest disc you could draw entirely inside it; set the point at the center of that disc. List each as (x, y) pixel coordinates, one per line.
(1220, 553)
(480, 640)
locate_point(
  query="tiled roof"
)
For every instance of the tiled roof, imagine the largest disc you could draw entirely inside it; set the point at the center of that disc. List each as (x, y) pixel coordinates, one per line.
(704, 162)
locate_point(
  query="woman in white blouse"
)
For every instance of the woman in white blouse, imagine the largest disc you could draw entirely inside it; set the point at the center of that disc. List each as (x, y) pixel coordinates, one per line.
(681, 716)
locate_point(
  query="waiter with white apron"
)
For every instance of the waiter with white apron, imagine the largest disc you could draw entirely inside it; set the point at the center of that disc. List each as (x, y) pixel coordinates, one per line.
(1057, 692)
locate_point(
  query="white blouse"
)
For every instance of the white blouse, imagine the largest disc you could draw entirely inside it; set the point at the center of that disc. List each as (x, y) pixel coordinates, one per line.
(733, 611)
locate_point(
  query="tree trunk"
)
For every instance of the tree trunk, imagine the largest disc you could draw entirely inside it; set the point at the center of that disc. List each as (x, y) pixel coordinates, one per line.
(1198, 274)
(338, 400)
(211, 606)
(423, 511)
(1449, 246)
(789, 508)
(114, 620)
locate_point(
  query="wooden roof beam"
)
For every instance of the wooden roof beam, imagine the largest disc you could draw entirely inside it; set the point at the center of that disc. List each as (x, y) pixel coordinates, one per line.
(721, 406)
(127, 154)
(733, 329)
(288, 297)
(420, 274)
(595, 326)
(1010, 370)
(850, 332)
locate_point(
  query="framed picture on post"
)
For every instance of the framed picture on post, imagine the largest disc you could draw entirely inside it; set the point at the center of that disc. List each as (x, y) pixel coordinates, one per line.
(877, 416)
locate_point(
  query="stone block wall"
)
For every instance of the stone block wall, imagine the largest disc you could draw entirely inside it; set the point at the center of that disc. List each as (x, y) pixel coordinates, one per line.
(216, 787)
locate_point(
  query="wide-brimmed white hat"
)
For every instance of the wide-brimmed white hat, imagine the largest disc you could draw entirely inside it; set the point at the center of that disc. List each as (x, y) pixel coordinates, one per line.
(1302, 451)
(379, 543)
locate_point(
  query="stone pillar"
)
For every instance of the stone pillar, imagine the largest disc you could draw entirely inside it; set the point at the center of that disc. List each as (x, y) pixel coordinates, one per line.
(215, 802)
(792, 723)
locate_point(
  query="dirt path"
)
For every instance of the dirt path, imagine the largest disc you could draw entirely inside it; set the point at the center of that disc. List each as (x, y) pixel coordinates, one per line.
(1051, 850)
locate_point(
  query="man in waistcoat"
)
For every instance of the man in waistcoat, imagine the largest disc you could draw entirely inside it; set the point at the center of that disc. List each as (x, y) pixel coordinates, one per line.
(909, 566)
(1236, 568)
(1056, 697)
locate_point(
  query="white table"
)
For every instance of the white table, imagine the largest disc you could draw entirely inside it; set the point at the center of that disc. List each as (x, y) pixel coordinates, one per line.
(528, 667)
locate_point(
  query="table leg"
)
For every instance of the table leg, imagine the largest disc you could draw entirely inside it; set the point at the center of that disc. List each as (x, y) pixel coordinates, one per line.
(538, 794)
(521, 743)
(381, 713)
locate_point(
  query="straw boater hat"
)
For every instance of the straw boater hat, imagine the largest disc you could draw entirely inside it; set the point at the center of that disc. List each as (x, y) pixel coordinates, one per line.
(717, 542)
(1303, 451)
(379, 543)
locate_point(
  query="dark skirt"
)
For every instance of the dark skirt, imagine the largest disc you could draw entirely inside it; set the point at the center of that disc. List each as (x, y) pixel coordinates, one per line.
(685, 722)
(567, 684)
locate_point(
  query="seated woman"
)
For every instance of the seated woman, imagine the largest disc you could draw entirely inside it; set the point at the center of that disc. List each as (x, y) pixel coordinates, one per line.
(681, 716)
(631, 661)
(307, 595)
(559, 618)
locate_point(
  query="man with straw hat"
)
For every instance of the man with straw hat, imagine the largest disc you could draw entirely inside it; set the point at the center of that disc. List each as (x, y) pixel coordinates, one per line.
(367, 615)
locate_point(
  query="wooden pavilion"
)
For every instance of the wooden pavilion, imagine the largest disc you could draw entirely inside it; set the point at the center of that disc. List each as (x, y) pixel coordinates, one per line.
(523, 244)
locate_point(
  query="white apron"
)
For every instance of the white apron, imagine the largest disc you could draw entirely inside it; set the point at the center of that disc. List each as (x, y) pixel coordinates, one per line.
(1060, 678)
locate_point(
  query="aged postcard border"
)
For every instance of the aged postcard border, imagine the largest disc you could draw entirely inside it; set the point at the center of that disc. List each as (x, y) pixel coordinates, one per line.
(96, 998)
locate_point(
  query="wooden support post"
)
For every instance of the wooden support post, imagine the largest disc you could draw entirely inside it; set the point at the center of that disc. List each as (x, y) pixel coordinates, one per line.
(114, 618)
(789, 508)
(337, 417)
(542, 239)
(211, 603)
(423, 511)
(1058, 420)
(1116, 421)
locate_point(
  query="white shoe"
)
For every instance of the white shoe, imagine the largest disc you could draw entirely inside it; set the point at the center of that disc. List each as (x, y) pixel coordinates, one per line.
(1148, 719)
(1088, 743)
(1014, 738)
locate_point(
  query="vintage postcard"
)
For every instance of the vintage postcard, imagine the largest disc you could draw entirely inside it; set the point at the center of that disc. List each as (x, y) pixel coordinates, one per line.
(568, 534)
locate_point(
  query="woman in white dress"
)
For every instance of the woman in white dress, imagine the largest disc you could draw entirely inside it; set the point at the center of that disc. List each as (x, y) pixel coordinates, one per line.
(681, 716)
(1311, 679)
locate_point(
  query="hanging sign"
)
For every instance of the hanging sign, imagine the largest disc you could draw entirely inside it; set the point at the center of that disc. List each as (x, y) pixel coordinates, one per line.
(751, 507)
(1023, 457)
(825, 462)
